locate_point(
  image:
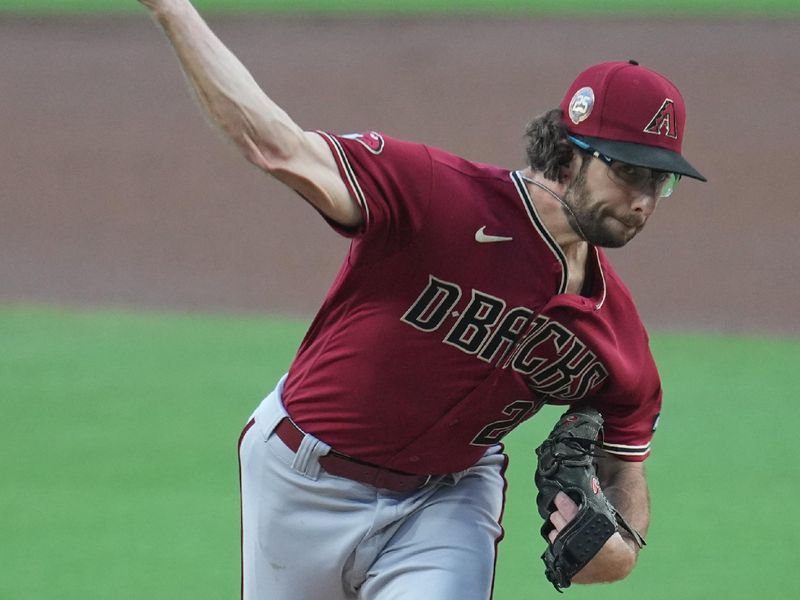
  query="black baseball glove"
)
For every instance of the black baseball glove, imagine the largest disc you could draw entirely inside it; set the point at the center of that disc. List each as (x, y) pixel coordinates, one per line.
(566, 464)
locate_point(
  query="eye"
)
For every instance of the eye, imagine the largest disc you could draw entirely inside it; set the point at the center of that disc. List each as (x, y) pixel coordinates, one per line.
(661, 177)
(631, 173)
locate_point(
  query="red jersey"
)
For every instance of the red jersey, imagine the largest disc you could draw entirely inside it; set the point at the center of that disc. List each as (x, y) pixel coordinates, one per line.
(448, 323)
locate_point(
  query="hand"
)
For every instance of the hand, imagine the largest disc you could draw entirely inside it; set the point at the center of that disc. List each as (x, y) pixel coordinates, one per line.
(614, 560)
(566, 509)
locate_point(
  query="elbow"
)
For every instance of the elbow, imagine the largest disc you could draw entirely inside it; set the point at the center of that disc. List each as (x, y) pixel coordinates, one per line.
(264, 156)
(272, 152)
(262, 132)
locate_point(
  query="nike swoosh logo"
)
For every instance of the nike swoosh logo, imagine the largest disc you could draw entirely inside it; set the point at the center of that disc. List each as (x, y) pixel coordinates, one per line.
(484, 238)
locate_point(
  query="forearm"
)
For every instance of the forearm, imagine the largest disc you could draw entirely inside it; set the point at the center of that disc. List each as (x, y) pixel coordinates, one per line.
(625, 486)
(628, 493)
(231, 97)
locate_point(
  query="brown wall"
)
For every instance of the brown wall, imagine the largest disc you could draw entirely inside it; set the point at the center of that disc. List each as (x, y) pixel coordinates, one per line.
(115, 191)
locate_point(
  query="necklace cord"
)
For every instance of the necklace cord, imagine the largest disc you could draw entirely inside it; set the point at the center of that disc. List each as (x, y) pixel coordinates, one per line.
(561, 201)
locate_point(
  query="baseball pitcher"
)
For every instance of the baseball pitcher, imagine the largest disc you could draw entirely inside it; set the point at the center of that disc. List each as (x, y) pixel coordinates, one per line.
(471, 296)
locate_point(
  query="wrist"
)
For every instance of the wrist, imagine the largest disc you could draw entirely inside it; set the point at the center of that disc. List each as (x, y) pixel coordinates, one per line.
(633, 539)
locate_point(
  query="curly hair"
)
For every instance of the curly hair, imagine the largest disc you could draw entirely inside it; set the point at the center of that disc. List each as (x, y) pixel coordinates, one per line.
(547, 148)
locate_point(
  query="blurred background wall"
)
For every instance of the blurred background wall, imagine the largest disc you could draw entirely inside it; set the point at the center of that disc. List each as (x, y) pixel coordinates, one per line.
(117, 193)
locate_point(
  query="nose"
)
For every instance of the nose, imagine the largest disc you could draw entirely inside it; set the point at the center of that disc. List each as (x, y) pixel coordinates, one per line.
(644, 203)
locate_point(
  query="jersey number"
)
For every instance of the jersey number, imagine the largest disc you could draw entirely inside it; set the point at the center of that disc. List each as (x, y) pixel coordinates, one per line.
(517, 412)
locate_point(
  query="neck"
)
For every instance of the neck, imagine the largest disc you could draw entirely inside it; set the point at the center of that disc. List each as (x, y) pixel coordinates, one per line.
(549, 201)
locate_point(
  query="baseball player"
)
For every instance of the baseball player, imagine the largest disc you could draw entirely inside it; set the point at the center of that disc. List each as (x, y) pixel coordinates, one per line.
(471, 296)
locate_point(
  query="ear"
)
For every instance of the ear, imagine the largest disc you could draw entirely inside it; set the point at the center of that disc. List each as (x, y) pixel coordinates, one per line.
(568, 172)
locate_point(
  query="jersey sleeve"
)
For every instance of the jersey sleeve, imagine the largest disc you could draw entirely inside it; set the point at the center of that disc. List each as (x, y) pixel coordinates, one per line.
(631, 401)
(390, 180)
(629, 423)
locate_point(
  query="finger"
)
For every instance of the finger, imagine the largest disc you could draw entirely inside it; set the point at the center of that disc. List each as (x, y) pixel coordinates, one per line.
(558, 521)
(566, 506)
(552, 536)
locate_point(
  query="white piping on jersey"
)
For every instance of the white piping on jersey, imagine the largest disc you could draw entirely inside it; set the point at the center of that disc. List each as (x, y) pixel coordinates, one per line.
(561, 201)
(351, 175)
(533, 215)
(599, 305)
(522, 189)
(626, 450)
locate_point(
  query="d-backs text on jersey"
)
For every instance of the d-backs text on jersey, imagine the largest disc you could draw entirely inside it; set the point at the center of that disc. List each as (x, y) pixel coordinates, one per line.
(555, 361)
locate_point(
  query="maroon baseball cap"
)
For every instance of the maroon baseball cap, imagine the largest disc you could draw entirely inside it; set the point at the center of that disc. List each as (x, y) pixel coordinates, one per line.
(629, 113)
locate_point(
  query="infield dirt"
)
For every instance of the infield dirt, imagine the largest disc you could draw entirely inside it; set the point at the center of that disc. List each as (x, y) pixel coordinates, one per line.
(116, 192)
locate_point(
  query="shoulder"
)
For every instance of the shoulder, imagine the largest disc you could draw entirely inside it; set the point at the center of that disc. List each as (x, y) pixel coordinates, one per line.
(619, 304)
(614, 281)
(445, 160)
(376, 144)
(372, 143)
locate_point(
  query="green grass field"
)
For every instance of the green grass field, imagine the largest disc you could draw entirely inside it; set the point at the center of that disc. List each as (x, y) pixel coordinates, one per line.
(120, 478)
(711, 8)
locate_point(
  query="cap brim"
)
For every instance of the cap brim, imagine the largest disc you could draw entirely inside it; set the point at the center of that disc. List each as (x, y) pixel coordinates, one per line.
(644, 156)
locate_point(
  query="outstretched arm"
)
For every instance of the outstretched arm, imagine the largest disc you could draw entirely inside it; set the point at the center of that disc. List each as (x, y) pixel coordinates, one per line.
(625, 486)
(264, 133)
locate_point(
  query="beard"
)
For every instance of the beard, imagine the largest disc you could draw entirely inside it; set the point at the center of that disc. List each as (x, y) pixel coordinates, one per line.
(590, 219)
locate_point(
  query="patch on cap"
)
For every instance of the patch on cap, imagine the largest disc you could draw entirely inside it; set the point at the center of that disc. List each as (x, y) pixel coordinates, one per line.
(580, 107)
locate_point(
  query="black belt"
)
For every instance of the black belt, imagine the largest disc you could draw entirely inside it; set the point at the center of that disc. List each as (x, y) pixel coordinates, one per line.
(342, 465)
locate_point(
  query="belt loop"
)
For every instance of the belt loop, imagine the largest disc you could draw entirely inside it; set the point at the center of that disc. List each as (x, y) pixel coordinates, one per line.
(456, 477)
(268, 425)
(306, 459)
(271, 410)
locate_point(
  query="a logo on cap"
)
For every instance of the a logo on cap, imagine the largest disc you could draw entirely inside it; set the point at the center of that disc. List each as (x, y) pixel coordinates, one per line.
(580, 107)
(663, 122)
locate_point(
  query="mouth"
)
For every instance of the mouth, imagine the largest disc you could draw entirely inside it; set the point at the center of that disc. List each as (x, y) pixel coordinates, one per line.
(633, 223)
